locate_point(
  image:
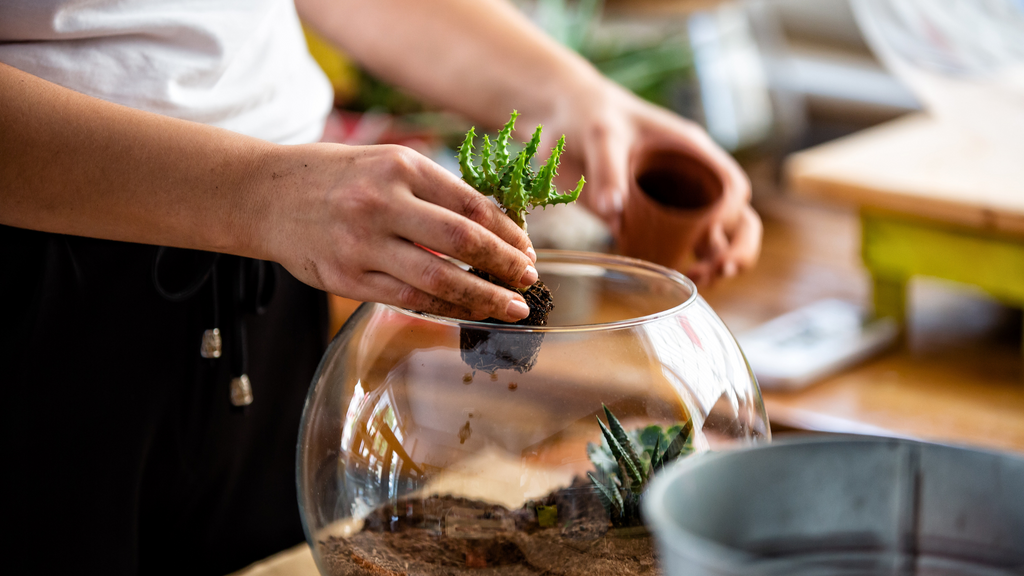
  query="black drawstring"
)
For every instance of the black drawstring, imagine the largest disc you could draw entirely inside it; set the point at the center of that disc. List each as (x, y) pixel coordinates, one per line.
(179, 274)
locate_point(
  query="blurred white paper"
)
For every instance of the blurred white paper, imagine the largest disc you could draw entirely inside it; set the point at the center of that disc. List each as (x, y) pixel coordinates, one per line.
(807, 344)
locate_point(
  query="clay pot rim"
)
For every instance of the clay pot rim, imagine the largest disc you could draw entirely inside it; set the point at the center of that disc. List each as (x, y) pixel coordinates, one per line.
(581, 258)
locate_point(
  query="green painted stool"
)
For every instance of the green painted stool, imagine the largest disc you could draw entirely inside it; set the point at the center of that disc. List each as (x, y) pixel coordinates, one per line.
(895, 248)
(935, 200)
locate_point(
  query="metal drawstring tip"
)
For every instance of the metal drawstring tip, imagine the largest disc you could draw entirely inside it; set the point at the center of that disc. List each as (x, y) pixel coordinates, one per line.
(241, 391)
(212, 345)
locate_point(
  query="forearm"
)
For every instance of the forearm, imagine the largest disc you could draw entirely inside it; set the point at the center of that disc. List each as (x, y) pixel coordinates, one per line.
(77, 165)
(479, 57)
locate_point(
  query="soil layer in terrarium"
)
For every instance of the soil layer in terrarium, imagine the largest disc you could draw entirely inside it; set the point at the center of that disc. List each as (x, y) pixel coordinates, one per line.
(566, 533)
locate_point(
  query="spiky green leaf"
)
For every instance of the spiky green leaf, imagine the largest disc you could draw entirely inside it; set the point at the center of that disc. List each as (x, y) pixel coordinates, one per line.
(656, 454)
(568, 197)
(609, 496)
(533, 144)
(515, 200)
(512, 181)
(488, 175)
(501, 143)
(627, 465)
(544, 186)
(623, 439)
(469, 172)
(679, 443)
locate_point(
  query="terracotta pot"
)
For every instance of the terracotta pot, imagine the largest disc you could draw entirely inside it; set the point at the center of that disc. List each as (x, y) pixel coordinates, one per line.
(670, 202)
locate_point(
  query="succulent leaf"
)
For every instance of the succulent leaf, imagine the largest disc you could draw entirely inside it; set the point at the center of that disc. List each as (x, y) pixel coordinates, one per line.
(512, 181)
(515, 200)
(623, 439)
(610, 458)
(544, 186)
(501, 143)
(656, 455)
(618, 452)
(617, 495)
(534, 143)
(469, 172)
(676, 447)
(609, 496)
(568, 197)
(489, 177)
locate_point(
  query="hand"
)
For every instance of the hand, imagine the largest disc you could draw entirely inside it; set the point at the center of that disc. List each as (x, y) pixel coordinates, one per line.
(612, 136)
(354, 221)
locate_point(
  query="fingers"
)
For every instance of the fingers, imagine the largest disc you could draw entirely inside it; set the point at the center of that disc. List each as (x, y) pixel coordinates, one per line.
(384, 288)
(730, 251)
(449, 233)
(607, 171)
(745, 245)
(433, 283)
(710, 253)
(443, 189)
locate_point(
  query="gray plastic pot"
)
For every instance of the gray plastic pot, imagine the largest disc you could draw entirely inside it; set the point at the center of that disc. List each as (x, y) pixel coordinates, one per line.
(841, 505)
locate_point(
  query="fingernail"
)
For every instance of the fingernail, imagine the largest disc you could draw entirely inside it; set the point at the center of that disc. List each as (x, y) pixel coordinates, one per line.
(532, 254)
(517, 310)
(529, 277)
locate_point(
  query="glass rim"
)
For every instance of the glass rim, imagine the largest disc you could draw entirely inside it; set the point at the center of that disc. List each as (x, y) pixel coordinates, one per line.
(576, 257)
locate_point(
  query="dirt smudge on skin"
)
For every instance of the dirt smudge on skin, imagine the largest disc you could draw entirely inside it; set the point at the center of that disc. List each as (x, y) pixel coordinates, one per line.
(310, 266)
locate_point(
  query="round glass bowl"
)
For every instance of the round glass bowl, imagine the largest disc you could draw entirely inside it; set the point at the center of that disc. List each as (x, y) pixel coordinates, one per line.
(436, 446)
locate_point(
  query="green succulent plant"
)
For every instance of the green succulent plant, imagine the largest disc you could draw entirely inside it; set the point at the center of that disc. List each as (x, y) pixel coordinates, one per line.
(626, 461)
(510, 178)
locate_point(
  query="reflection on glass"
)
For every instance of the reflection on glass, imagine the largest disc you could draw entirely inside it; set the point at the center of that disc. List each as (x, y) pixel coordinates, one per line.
(411, 460)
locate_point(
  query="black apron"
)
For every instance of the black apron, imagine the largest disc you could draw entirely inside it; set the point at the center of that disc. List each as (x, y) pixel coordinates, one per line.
(121, 449)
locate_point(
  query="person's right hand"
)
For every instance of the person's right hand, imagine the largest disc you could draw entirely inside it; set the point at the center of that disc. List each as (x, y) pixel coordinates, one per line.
(348, 219)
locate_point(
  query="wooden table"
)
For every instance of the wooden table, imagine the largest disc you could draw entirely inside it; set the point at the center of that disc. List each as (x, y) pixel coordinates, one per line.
(935, 199)
(957, 378)
(295, 561)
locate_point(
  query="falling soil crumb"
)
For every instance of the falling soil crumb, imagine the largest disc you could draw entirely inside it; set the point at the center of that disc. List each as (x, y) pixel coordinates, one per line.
(467, 379)
(494, 376)
(512, 385)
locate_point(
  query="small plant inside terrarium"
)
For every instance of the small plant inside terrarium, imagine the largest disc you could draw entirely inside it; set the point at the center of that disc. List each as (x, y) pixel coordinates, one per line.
(626, 462)
(591, 520)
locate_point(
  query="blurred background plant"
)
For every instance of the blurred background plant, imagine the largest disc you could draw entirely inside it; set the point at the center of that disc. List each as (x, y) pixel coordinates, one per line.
(653, 64)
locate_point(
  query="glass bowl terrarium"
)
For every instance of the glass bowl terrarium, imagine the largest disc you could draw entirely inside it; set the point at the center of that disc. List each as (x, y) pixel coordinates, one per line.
(435, 446)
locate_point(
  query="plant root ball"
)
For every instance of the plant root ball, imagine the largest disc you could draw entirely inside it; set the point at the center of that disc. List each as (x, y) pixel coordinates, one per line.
(489, 350)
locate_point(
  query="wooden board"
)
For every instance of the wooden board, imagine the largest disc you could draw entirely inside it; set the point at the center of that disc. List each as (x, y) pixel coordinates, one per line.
(916, 166)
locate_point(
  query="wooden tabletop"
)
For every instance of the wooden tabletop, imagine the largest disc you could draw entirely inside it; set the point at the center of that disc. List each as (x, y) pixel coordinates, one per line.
(958, 379)
(917, 166)
(295, 561)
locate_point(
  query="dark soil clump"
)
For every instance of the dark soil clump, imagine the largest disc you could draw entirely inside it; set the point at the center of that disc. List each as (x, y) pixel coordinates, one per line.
(490, 350)
(567, 533)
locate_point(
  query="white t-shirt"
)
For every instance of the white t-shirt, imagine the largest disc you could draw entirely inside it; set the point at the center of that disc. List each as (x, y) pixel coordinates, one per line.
(237, 64)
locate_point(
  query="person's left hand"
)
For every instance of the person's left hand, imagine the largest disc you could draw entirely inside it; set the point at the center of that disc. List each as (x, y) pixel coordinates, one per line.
(610, 134)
